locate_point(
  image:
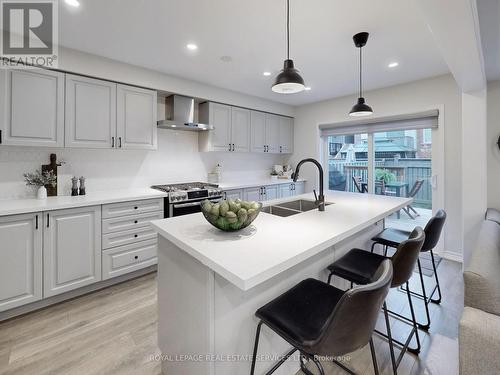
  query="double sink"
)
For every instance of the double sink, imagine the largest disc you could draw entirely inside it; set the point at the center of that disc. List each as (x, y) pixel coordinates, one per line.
(286, 209)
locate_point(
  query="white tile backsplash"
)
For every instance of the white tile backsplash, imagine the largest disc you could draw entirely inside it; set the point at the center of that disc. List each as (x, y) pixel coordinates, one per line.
(177, 160)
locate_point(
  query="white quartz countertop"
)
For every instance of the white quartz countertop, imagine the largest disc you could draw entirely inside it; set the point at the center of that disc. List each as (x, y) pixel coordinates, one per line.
(21, 206)
(273, 244)
(258, 182)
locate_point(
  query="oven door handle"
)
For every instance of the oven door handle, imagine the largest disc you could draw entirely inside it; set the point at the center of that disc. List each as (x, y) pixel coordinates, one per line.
(192, 204)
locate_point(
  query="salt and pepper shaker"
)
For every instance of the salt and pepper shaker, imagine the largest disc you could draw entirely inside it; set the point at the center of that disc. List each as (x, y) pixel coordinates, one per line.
(82, 185)
(74, 186)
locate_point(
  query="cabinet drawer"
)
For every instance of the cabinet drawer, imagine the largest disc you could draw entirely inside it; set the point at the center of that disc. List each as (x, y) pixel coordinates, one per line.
(129, 258)
(129, 222)
(130, 208)
(126, 237)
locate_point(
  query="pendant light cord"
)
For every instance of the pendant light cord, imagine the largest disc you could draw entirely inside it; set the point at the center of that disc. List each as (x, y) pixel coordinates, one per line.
(360, 73)
(288, 29)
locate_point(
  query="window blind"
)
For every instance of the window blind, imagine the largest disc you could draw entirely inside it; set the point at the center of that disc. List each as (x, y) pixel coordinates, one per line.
(421, 120)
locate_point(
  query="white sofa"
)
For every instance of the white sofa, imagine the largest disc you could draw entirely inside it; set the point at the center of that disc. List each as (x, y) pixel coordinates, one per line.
(479, 336)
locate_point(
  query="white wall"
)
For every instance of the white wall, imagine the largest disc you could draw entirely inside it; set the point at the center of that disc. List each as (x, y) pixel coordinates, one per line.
(474, 176)
(491, 141)
(177, 158)
(406, 98)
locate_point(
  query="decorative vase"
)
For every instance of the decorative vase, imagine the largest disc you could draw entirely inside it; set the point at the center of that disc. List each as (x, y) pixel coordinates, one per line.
(41, 193)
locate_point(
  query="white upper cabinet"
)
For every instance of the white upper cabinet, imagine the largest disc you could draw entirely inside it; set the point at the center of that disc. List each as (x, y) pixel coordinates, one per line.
(273, 133)
(32, 107)
(257, 131)
(136, 118)
(240, 129)
(71, 249)
(21, 265)
(286, 135)
(90, 112)
(220, 117)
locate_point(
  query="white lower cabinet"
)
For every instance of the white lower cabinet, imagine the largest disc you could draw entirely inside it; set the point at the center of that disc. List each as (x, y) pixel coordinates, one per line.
(21, 260)
(271, 192)
(286, 190)
(71, 249)
(299, 188)
(233, 194)
(124, 259)
(254, 194)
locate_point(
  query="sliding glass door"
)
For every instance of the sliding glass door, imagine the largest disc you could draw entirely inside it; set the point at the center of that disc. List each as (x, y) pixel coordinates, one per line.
(348, 163)
(403, 168)
(395, 163)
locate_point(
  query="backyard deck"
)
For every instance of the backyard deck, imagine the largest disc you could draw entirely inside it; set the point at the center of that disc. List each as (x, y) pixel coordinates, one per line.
(407, 223)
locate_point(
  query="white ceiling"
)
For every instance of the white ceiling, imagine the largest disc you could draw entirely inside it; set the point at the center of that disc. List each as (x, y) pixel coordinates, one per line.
(153, 34)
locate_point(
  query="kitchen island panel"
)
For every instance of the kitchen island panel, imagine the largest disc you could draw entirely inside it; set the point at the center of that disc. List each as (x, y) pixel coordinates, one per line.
(200, 312)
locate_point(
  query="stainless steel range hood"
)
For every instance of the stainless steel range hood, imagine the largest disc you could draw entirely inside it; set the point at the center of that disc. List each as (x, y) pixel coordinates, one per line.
(180, 115)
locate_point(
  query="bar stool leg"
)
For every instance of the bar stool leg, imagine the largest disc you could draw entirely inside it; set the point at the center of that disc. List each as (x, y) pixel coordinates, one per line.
(255, 347)
(415, 327)
(426, 326)
(389, 339)
(437, 301)
(374, 357)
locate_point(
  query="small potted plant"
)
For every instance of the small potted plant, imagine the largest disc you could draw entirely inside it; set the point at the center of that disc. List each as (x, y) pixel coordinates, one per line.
(41, 179)
(274, 175)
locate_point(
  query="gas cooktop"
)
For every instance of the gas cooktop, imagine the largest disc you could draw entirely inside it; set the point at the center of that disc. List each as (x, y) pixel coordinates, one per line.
(190, 191)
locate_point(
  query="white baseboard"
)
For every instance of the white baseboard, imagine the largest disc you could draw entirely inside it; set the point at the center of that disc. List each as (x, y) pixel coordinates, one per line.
(451, 256)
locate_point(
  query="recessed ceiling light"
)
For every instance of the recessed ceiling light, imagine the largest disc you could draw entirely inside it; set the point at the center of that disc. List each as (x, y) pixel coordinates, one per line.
(73, 3)
(267, 74)
(393, 64)
(191, 46)
(307, 88)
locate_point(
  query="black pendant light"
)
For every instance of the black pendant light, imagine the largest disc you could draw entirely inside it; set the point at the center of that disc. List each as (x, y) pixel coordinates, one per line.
(288, 81)
(360, 108)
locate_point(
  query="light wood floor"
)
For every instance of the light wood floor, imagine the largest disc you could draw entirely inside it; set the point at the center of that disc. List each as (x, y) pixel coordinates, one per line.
(113, 331)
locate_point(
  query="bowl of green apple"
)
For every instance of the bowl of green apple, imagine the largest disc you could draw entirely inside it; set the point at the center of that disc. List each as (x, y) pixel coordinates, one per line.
(229, 215)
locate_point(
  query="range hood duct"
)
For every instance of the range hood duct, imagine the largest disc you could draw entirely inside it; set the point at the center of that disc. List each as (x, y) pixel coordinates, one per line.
(180, 115)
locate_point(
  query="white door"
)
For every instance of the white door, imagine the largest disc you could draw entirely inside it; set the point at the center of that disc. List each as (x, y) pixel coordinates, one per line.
(90, 113)
(71, 249)
(286, 135)
(286, 191)
(240, 129)
(254, 194)
(273, 133)
(258, 132)
(136, 118)
(220, 118)
(21, 260)
(32, 107)
(233, 194)
(271, 192)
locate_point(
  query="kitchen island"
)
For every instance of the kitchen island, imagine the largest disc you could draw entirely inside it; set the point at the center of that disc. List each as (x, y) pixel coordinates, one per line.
(210, 283)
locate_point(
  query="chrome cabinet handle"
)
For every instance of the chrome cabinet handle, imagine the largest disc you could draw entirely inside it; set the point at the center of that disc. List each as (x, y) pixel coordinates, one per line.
(112, 142)
(230, 147)
(120, 142)
(36, 221)
(48, 221)
(233, 147)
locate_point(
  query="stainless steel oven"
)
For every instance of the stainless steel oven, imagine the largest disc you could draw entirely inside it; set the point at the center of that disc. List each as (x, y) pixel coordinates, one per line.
(185, 199)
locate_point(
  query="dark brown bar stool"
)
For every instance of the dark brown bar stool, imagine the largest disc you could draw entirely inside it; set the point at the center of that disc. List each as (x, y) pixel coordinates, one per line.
(318, 319)
(390, 237)
(359, 267)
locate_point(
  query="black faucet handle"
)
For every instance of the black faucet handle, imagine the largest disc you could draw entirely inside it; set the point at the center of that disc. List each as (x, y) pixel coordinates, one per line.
(315, 195)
